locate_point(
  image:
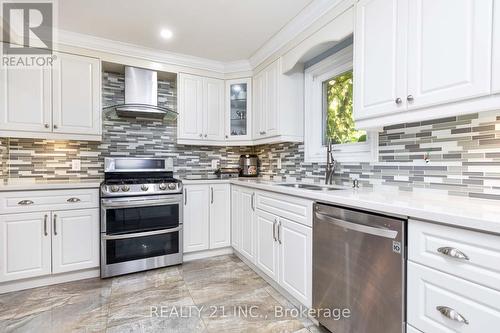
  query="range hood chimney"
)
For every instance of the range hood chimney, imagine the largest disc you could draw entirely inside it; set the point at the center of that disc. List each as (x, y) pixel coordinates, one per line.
(141, 95)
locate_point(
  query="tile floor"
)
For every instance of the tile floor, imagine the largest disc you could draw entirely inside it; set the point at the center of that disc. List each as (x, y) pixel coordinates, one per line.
(218, 292)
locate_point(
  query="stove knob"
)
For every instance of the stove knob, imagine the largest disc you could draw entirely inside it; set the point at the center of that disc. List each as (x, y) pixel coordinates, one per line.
(125, 188)
(144, 187)
(172, 186)
(163, 186)
(114, 188)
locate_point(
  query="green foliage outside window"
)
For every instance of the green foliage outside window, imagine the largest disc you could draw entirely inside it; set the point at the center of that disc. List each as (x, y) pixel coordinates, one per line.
(340, 127)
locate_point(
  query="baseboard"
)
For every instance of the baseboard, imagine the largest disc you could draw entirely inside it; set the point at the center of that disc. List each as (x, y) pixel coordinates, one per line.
(207, 254)
(48, 280)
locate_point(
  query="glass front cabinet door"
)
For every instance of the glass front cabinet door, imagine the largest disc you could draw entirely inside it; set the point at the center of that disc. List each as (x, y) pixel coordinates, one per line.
(238, 110)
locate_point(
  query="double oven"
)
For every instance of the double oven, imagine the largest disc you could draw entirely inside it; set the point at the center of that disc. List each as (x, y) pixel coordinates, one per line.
(141, 220)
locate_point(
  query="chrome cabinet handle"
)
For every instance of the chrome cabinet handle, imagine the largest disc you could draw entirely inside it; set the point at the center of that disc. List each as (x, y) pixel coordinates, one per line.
(227, 136)
(453, 252)
(73, 200)
(185, 196)
(410, 98)
(211, 195)
(398, 100)
(45, 225)
(274, 230)
(55, 126)
(46, 125)
(25, 202)
(253, 203)
(279, 233)
(54, 222)
(206, 135)
(452, 314)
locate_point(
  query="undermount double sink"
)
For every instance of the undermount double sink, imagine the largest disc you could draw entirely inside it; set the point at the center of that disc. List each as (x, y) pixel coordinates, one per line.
(312, 187)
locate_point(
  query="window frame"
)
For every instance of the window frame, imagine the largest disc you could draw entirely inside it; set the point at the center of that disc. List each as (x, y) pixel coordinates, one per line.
(314, 76)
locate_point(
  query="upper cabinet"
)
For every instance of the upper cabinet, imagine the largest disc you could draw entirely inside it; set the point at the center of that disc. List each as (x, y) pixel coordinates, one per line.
(238, 109)
(76, 95)
(496, 48)
(201, 109)
(62, 102)
(421, 59)
(278, 105)
(26, 99)
(380, 54)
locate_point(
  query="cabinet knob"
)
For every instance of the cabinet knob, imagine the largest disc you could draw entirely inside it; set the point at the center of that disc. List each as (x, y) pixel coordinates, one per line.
(227, 136)
(409, 98)
(55, 126)
(201, 135)
(46, 125)
(398, 100)
(206, 135)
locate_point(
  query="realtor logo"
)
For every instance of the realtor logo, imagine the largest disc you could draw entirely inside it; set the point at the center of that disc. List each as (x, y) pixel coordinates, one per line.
(28, 33)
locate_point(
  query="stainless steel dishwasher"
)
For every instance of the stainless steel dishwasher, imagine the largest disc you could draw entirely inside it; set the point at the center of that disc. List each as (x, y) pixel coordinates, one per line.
(358, 264)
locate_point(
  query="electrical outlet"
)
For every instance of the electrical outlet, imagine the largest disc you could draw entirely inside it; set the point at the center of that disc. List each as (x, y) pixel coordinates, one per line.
(76, 165)
(215, 164)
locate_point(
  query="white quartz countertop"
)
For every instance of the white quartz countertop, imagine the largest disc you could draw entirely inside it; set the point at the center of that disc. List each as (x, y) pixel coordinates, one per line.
(32, 185)
(471, 213)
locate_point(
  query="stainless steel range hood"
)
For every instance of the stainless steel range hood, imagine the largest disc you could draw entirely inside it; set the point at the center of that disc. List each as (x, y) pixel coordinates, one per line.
(141, 95)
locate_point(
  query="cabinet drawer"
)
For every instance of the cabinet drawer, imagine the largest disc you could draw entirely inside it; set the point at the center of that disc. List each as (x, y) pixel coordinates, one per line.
(30, 201)
(428, 244)
(411, 329)
(296, 209)
(429, 289)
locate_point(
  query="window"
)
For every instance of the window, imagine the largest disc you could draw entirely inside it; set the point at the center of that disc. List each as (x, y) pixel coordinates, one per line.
(329, 112)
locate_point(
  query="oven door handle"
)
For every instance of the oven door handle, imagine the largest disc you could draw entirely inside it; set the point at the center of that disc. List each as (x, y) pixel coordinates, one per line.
(139, 203)
(142, 234)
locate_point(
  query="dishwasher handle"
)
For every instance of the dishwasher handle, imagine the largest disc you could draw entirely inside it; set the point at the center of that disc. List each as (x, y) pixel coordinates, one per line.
(386, 233)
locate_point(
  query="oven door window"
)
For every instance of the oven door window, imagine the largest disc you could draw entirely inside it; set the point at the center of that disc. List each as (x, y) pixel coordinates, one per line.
(127, 249)
(140, 219)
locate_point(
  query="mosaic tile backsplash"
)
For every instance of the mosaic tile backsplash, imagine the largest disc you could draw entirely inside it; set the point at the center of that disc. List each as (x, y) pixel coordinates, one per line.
(463, 158)
(464, 152)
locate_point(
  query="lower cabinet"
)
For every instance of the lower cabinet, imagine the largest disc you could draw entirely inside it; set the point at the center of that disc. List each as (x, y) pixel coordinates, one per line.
(75, 240)
(25, 240)
(243, 229)
(284, 253)
(207, 216)
(41, 243)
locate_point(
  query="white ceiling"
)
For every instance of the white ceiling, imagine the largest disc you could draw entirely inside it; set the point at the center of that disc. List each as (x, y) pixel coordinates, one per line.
(223, 30)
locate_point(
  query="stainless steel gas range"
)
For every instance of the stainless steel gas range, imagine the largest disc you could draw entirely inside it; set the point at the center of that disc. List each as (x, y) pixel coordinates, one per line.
(141, 216)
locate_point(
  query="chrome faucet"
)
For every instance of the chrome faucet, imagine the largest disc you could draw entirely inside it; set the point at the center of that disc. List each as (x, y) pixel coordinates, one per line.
(331, 163)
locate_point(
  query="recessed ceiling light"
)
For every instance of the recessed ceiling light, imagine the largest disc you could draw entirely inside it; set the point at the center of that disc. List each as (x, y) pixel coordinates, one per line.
(166, 33)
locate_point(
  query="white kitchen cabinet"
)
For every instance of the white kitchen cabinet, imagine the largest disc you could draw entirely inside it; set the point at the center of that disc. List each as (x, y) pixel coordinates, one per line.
(432, 294)
(452, 61)
(239, 109)
(190, 105)
(267, 245)
(75, 240)
(496, 48)
(76, 95)
(220, 216)
(295, 267)
(410, 66)
(62, 102)
(278, 105)
(196, 218)
(201, 109)
(235, 217)
(380, 57)
(247, 223)
(207, 212)
(25, 97)
(25, 240)
(214, 109)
